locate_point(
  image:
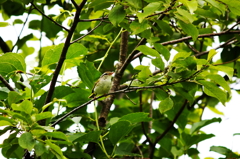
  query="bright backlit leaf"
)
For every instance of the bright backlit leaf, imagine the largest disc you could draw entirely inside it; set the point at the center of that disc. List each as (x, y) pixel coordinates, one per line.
(165, 105)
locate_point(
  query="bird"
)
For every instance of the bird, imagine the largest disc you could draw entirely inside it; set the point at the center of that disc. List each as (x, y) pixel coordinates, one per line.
(102, 85)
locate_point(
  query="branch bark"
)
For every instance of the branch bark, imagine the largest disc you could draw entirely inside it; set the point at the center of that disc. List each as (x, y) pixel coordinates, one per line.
(116, 80)
(168, 128)
(64, 52)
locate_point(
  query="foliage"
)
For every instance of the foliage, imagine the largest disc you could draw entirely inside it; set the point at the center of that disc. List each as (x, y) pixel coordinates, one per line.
(40, 109)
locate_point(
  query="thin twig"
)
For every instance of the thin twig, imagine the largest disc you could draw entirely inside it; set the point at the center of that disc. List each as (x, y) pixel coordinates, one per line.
(74, 3)
(200, 36)
(189, 38)
(142, 124)
(30, 9)
(230, 41)
(96, 19)
(192, 48)
(168, 128)
(233, 26)
(6, 83)
(48, 17)
(87, 33)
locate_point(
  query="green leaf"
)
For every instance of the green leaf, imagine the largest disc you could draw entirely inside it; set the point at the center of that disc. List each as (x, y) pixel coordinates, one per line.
(215, 110)
(211, 53)
(14, 97)
(220, 6)
(192, 5)
(11, 62)
(88, 73)
(219, 80)
(233, 5)
(138, 27)
(4, 24)
(136, 117)
(26, 106)
(92, 136)
(197, 126)
(78, 97)
(148, 51)
(56, 150)
(236, 134)
(163, 50)
(57, 134)
(135, 3)
(144, 72)
(49, 27)
(186, 15)
(117, 14)
(73, 137)
(158, 63)
(52, 55)
(165, 27)
(6, 121)
(226, 69)
(189, 29)
(224, 151)
(190, 140)
(26, 141)
(119, 130)
(76, 50)
(39, 148)
(212, 90)
(43, 115)
(149, 9)
(165, 105)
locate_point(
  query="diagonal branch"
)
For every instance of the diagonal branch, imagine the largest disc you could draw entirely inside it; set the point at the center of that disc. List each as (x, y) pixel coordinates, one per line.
(142, 123)
(22, 29)
(48, 17)
(74, 3)
(6, 83)
(168, 128)
(189, 38)
(64, 52)
(229, 42)
(87, 33)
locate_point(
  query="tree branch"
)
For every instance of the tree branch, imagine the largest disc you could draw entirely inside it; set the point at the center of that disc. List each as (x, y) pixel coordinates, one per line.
(4, 46)
(74, 3)
(142, 123)
(48, 17)
(6, 83)
(22, 28)
(131, 89)
(143, 40)
(189, 38)
(229, 42)
(64, 52)
(116, 80)
(168, 128)
(87, 33)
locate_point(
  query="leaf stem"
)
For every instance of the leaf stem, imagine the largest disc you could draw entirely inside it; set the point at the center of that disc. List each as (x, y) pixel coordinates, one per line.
(101, 144)
(105, 56)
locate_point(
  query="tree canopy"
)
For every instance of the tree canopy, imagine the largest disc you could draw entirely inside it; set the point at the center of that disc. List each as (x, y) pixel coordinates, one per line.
(171, 58)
